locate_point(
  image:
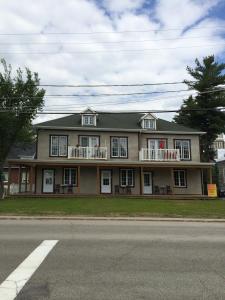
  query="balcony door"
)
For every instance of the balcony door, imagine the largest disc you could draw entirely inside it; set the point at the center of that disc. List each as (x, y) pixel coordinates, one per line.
(154, 146)
(89, 141)
(89, 144)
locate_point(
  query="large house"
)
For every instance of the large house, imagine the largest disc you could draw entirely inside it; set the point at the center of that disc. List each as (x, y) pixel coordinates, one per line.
(128, 153)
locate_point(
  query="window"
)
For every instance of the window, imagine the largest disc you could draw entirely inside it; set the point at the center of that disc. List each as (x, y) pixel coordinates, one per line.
(89, 120)
(149, 123)
(180, 178)
(70, 176)
(58, 146)
(184, 147)
(119, 147)
(127, 177)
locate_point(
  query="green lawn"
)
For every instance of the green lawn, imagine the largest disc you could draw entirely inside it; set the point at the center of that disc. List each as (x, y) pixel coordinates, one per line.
(102, 206)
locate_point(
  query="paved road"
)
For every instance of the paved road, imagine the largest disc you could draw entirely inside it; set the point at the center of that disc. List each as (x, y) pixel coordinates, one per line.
(101, 260)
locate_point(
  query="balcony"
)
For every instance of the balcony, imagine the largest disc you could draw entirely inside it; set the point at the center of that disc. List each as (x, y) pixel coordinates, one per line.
(159, 154)
(87, 152)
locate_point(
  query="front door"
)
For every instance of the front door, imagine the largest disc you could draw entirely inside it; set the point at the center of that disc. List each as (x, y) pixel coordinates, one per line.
(147, 182)
(48, 181)
(106, 178)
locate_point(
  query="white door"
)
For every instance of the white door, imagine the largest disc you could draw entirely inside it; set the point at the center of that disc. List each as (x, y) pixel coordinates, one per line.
(48, 181)
(106, 187)
(147, 182)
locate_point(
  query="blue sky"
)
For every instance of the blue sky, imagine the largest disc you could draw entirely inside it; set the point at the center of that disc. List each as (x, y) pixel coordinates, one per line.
(111, 42)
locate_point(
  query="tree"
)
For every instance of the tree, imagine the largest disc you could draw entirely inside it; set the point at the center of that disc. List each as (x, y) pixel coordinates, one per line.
(20, 98)
(202, 111)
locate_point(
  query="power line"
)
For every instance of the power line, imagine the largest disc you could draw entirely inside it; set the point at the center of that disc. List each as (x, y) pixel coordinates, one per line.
(105, 32)
(112, 51)
(102, 42)
(107, 85)
(125, 112)
(124, 94)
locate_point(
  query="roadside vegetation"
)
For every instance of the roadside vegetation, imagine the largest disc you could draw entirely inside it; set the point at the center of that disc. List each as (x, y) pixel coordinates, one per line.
(104, 206)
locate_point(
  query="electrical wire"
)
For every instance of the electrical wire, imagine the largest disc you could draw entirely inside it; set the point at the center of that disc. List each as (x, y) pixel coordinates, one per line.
(114, 50)
(106, 32)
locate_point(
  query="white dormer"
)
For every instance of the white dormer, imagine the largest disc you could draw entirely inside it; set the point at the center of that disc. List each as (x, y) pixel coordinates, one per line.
(89, 117)
(148, 121)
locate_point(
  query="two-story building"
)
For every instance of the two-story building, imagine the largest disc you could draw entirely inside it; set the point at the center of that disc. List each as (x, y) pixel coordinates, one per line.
(115, 153)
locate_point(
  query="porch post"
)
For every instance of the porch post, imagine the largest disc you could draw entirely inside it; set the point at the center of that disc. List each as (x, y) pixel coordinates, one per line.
(210, 175)
(141, 180)
(26, 177)
(78, 179)
(9, 178)
(98, 181)
(31, 178)
(19, 179)
(171, 181)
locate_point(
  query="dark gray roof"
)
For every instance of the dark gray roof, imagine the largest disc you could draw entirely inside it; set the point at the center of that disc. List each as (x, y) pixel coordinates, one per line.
(22, 150)
(115, 121)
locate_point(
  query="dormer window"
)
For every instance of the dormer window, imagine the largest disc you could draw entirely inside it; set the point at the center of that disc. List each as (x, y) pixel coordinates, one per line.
(148, 121)
(149, 124)
(88, 118)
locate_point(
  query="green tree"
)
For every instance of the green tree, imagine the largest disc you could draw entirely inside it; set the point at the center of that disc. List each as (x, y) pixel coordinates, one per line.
(20, 98)
(208, 76)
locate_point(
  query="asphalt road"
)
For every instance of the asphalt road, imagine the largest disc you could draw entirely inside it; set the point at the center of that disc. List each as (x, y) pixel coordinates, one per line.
(101, 260)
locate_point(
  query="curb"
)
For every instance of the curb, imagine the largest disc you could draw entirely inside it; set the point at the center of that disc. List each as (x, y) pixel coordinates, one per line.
(86, 218)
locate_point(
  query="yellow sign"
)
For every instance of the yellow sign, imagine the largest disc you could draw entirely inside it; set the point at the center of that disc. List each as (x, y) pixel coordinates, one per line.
(212, 190)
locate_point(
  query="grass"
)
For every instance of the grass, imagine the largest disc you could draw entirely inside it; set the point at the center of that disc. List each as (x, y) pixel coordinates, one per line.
(102, 206)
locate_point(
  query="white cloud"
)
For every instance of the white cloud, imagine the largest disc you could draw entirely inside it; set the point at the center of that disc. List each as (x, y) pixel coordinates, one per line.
(107, 63)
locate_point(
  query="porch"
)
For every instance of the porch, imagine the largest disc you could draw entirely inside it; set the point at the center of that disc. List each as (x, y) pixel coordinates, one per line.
(119, 179)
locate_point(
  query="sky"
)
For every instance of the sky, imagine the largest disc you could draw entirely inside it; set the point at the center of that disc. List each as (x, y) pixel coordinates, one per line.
(92, 42)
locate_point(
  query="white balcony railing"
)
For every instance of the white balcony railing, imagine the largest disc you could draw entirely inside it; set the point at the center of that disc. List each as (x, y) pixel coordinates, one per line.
(87, 152)
(159, 154)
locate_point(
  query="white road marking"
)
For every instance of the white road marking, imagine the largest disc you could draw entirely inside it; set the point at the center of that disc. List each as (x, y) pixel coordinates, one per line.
(13, 284)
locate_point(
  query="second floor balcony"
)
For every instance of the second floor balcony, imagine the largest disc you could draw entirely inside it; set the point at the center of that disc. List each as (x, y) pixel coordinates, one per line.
(87, 152)
(147, 154)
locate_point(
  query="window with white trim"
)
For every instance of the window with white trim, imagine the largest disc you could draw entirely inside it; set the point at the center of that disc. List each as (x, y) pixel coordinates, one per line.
(149, 123)
(185, 149)
(180, 179)
(58, 145)
(89, 120)
(127, 177)
(70, 176)
(119, 147)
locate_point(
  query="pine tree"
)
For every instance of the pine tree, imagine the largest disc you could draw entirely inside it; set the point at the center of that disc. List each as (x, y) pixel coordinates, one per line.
(208, 77)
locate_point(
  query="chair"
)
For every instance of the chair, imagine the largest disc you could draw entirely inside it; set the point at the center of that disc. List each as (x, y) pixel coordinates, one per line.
(57, 188)
(117, 189)
(156, 190)
(70, 189)
(168, 190)
(128, 190)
